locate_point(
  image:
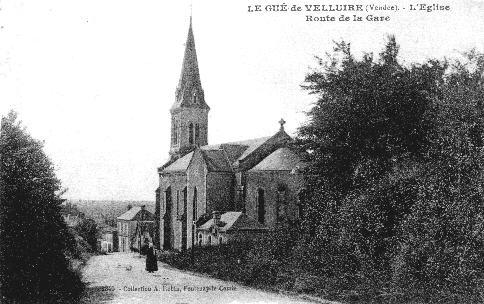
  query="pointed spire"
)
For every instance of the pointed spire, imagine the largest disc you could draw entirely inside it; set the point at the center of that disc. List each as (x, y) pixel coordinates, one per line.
(189, 92)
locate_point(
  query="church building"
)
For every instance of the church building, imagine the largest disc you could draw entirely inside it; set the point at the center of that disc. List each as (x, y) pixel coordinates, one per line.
(254, 183)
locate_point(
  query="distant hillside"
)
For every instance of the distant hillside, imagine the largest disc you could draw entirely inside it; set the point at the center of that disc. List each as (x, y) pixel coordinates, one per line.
(106, 212)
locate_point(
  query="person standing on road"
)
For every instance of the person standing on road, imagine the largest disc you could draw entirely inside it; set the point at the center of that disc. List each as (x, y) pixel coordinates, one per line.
(151, 263)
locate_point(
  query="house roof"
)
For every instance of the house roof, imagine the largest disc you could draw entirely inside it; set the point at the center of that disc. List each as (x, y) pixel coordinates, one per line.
(234, 221)
(135, 214)
(283, 159)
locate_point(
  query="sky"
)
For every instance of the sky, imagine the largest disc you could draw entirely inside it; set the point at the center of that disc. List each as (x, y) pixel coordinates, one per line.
(95, 79)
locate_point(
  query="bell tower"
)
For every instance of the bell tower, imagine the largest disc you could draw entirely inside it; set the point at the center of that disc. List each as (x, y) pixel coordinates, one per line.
(189, 113)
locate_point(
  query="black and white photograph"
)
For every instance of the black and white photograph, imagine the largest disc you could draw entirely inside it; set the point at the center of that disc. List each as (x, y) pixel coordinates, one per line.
(241, 152)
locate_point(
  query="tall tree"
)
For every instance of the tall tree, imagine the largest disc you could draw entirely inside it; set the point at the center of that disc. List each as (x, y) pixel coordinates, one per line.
(395, 171)
(34, 237)
(365, 136)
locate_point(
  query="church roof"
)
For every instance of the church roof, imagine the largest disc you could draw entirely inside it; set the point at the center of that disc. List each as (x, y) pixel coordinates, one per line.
(180, 164)
(220, 157)
(283, 159)
(233, 221)
(189, 84)
(226, 157)
(136, 213)
(238, 150)
(216, 160)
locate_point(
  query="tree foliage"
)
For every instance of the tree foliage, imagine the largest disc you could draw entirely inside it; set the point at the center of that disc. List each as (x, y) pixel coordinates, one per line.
(395, 170)
(88, 230)
(35, 239)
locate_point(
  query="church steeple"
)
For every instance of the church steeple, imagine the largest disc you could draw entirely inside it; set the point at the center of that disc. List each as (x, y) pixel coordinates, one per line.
(189, 113)
(189, 92)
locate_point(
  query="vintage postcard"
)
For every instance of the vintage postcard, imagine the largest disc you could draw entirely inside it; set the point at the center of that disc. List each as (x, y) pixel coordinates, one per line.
(242, 151)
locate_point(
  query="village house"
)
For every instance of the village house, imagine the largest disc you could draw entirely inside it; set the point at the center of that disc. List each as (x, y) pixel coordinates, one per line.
(134, 227)
(256, 182)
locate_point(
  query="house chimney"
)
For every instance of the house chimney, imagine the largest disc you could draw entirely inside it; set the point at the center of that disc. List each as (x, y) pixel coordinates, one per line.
(143, 207)
(130, 206)
(216, 218)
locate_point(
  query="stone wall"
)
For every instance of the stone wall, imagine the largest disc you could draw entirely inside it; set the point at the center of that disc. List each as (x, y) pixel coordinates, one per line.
(183, 117)
(220, 193)
(281, 190)
(176, 182)
(197, 174)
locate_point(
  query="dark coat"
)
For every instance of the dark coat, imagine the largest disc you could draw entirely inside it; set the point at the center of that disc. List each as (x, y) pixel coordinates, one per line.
(144, 249)
(151, 262)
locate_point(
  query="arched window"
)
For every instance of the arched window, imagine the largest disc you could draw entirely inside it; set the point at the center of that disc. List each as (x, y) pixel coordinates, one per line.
(178, 130)
(195, 203)
(178, 206)
(167, 206)
(200, 238)
(195, 99)
(190, 134)
(167, 232)
(220, 240)
(185, 200)
(197, 133)
(209, 240)
(281, 202)
(173, 129)
(260, 206)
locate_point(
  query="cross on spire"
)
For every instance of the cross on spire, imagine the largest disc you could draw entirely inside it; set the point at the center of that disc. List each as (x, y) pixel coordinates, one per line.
(282, 122)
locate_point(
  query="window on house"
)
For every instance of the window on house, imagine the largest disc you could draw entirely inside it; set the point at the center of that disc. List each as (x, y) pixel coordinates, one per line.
(190, 134)
(220, 240)
(209, 240)
(200, 238)
(260, 206)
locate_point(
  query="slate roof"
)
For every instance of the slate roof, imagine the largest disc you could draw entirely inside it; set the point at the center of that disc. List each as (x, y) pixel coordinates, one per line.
(220, 157)
(135, 213)
(235, 221)
(180, 164)
(216, 160)
(238, 150)
(283, 159)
